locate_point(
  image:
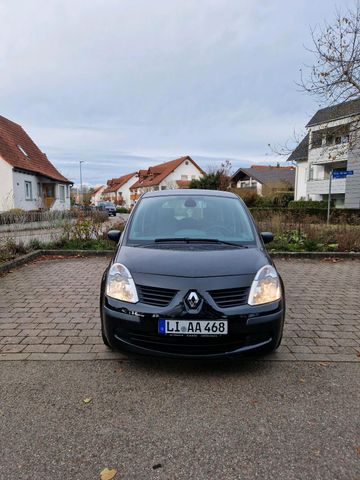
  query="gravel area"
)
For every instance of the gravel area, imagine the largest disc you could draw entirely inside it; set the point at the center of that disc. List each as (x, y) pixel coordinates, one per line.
(173, 420)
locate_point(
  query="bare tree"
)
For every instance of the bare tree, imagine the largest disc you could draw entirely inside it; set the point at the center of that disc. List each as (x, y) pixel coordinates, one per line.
(335, 75)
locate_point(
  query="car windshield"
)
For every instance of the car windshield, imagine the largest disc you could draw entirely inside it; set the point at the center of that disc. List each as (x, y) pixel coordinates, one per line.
(106, 204)
(186, 218)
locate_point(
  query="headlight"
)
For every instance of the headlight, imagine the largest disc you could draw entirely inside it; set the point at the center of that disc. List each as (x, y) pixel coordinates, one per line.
(265, 287)
(120, 284)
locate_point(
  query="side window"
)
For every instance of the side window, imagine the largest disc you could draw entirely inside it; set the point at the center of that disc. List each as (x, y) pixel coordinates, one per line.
(28, 190)
(62, 193)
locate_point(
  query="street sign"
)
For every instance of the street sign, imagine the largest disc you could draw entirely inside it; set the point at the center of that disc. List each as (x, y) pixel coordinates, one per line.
(336, 174)
(342, 173)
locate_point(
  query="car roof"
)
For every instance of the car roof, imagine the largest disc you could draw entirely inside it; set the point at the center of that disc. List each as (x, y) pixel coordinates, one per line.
(189, 191)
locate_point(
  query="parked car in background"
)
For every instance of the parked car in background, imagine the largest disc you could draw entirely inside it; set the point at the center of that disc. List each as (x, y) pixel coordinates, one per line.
(109, 207)
(191, 278)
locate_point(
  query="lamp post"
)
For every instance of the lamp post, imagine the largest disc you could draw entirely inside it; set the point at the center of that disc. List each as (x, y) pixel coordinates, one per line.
(81, 185)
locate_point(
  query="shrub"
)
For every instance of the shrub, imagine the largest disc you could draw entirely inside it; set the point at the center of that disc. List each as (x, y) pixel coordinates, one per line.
(210, 181)
(122, 210)
(9, 249)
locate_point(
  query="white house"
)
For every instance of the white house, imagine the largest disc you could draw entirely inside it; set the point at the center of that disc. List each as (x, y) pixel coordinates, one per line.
(177, 173)
(28, 180)
(96, 195)
(262, 178)
(332, 143)
(118, 189)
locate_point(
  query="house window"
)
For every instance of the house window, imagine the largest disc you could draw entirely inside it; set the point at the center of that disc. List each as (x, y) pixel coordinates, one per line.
(193, 177)
(22, 150)
(184, 177)
(311, 173)
(163, 187)
(62, 193)
(337, 140)
(28, 190)
(39, 189)
(67, 191)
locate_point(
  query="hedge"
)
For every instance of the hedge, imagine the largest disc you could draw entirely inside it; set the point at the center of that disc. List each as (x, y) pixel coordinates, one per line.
(295, 215)
(308, 204)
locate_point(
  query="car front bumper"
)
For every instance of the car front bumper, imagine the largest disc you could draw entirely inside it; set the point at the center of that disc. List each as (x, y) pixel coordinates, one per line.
(251, 329)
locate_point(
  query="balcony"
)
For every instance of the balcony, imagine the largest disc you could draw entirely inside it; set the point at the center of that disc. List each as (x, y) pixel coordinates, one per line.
(329, 154)
(321, 187)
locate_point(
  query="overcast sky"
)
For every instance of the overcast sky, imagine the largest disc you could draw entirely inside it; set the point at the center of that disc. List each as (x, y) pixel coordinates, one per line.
(123, 84)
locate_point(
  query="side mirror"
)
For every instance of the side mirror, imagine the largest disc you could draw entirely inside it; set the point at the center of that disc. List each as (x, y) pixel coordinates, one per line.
(114, 235)
(267, 237)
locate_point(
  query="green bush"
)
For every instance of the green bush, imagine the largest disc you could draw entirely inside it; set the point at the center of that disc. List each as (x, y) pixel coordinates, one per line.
(252, 199)
(122, 210)
(210, 181)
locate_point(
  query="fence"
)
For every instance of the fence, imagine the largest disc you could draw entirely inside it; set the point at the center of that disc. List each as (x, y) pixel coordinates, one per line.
(25, 227)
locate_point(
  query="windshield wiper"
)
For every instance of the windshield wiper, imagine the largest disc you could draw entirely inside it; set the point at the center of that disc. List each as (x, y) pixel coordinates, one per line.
(198, 240)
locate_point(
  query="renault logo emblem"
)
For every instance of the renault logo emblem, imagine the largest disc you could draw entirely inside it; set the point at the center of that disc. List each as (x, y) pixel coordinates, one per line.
(193, 300)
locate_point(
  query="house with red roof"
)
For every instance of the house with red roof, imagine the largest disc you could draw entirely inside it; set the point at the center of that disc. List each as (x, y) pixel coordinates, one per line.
(117, 190)
(170, 175)
(96, 195)
(28, 180)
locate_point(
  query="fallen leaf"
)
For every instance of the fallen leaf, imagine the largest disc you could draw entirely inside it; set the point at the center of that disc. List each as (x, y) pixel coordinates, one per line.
(358, 354)
(323, 364)
(358, 450)
(87, 400)
(253, 402)
(107, 473)
(302, 380)
(332, 260)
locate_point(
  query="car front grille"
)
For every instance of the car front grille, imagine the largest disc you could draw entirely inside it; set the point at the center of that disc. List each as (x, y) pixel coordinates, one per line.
(230, 297)
(160, 297)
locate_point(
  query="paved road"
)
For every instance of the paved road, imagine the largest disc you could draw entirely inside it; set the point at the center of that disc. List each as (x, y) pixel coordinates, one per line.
(293, 419)
(49, 310)
(258, 420)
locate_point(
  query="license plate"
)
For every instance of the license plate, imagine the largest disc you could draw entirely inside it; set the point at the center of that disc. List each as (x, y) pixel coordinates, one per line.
(193, 327)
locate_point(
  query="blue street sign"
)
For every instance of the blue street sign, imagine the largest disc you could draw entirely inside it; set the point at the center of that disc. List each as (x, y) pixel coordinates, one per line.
(342, 173)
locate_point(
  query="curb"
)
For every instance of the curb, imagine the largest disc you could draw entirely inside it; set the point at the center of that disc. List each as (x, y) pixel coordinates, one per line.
(316, 255)
(81, 253)
(17, 262)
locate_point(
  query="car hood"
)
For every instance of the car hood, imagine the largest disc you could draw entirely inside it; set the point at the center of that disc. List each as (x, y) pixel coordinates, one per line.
(192, 263)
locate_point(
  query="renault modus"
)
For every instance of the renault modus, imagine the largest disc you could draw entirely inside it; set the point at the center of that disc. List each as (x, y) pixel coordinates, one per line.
(191, 278)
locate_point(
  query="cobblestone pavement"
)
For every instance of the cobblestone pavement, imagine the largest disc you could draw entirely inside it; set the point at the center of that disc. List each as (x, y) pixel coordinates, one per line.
(49, 311)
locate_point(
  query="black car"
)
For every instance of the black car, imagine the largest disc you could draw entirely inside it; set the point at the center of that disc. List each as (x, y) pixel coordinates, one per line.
(109, 207)
(191, 278)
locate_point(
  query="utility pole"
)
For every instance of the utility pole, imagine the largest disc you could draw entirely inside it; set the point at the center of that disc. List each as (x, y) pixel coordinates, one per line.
(81, 185)
(329, 198)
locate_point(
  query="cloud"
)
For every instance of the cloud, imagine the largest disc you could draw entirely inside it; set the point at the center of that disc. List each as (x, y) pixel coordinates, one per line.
(125, 84)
